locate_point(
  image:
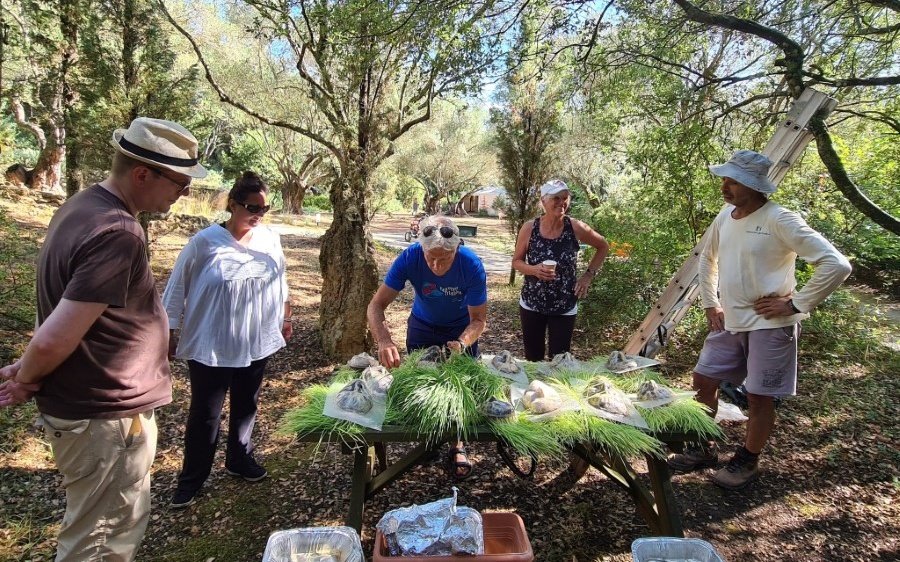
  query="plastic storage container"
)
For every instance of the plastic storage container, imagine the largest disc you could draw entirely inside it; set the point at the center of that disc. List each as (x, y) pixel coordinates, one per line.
(467, 232)
(668, 549)
(340, 543)
(505, 540)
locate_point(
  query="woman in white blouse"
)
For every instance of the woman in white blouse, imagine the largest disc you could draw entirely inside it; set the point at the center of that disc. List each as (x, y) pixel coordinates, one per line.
(228, 292)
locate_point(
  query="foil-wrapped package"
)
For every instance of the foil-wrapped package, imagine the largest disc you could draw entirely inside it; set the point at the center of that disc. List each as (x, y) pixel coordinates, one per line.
(439, 528)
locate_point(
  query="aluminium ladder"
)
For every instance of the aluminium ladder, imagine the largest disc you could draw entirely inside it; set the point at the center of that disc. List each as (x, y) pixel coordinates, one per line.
(784, 148)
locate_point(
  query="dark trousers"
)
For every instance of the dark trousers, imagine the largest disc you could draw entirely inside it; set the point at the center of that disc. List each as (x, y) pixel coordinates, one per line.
(536, 326)
(208, 388)
(422, 335)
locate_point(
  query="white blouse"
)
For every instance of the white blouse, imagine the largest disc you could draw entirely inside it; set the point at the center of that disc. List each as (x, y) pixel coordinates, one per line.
(231, 296)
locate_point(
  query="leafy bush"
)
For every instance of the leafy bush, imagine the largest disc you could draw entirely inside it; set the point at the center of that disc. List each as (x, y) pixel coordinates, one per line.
(317, 203)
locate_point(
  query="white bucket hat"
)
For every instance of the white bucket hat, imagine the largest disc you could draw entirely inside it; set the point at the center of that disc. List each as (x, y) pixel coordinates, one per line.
(162, 143)
(553, 187)
(747, 168)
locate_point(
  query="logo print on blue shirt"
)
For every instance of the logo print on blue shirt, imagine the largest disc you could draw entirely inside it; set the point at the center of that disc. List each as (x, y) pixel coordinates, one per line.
(431, 290)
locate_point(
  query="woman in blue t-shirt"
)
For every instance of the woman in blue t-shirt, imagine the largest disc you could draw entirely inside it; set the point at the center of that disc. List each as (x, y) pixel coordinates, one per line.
(450, 304)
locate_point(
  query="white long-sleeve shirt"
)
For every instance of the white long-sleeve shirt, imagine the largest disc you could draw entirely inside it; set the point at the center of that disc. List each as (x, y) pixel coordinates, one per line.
(753, 257)
(231, 297)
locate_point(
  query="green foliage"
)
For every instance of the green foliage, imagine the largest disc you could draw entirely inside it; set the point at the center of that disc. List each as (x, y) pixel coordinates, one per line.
(247, 151)
(682, 416)
(445, 400)
(843, 326)
(310, 419)
(448, 157)
(529, 438)
(317, 203)
(18, 251)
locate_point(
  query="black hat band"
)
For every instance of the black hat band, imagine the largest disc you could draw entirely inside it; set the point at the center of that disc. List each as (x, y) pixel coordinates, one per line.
(155, 156)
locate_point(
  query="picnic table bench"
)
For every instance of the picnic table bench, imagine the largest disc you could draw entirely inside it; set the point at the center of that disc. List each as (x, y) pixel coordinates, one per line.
(371, 472)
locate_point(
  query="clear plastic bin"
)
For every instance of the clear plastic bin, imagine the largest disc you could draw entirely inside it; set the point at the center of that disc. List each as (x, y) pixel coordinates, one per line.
(669, 549)
(293, 545)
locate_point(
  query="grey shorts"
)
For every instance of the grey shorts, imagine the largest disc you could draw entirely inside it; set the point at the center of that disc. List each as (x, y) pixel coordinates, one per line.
(764, 360)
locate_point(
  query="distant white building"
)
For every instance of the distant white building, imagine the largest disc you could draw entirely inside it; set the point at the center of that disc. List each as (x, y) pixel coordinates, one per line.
(483, 201)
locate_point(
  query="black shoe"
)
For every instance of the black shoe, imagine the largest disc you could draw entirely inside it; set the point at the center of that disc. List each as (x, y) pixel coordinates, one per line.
(251, 471)
(183, 499)
(737, 395)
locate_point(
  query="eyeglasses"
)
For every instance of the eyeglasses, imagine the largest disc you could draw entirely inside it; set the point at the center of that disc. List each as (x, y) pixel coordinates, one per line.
(255, 209)
(445, 231)
(183, 186)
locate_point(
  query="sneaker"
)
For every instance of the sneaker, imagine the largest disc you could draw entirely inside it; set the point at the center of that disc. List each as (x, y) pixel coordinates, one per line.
(252, 471)
(695, 457)
(182, 499)
(741, 470)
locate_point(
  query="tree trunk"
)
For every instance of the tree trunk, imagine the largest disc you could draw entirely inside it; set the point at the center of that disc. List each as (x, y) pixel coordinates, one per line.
(349, 272)
(69, 26)
(432, 204)
(292, 194)
(593, 198)
(74, 173)
(47, 172)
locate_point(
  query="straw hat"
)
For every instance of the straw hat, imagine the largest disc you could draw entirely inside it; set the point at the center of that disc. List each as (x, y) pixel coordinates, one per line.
(747, 168)
(163, 144)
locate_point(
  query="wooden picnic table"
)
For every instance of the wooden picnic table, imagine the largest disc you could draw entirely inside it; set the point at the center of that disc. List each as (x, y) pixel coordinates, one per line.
(372, 472)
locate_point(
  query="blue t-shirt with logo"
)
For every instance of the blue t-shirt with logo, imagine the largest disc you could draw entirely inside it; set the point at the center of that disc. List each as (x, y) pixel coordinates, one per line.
(440, 300)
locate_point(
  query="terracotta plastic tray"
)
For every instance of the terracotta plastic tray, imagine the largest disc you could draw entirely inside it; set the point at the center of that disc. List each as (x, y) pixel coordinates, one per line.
(505, 540)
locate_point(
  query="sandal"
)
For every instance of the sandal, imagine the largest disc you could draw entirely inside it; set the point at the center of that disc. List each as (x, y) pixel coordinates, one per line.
(454, 466)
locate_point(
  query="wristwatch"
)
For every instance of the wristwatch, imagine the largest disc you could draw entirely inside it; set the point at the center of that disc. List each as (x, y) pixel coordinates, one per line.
(793, 307)
(593, 272)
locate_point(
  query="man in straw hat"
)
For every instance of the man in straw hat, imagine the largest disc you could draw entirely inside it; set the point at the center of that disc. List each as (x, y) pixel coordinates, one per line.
(748, 289)
(97, 364)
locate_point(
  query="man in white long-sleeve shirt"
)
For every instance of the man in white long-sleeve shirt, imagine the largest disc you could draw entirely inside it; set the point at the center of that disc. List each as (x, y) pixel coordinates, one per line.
(748, 291)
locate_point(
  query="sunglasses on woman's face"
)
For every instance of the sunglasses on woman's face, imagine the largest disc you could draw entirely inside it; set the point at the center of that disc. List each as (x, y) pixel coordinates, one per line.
(255, 209)
(445, 231)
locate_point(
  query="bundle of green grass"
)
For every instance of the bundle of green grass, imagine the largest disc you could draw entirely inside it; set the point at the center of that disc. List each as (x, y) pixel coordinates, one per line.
(443, 401)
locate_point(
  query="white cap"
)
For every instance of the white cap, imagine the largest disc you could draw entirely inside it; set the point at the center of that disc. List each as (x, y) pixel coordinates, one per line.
(553, 187)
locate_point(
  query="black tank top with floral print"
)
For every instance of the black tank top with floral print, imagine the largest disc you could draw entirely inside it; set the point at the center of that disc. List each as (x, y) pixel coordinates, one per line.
(552, 297)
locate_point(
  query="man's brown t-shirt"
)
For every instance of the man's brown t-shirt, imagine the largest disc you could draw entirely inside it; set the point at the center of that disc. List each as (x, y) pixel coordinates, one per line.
(95, 252)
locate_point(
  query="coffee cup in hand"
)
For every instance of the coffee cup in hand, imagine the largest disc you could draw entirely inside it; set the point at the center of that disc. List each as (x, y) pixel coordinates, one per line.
(549, 264)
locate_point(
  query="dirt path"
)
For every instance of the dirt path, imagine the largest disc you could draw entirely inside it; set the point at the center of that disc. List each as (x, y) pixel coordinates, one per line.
(391, 231)
(830, 489)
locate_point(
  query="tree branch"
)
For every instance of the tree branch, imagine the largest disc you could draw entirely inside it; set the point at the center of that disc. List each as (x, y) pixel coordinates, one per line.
(878, 116)
(18, 111)
(234, 103)
(842, 180)
(853, 80)
(793, 52)
(889, 4)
